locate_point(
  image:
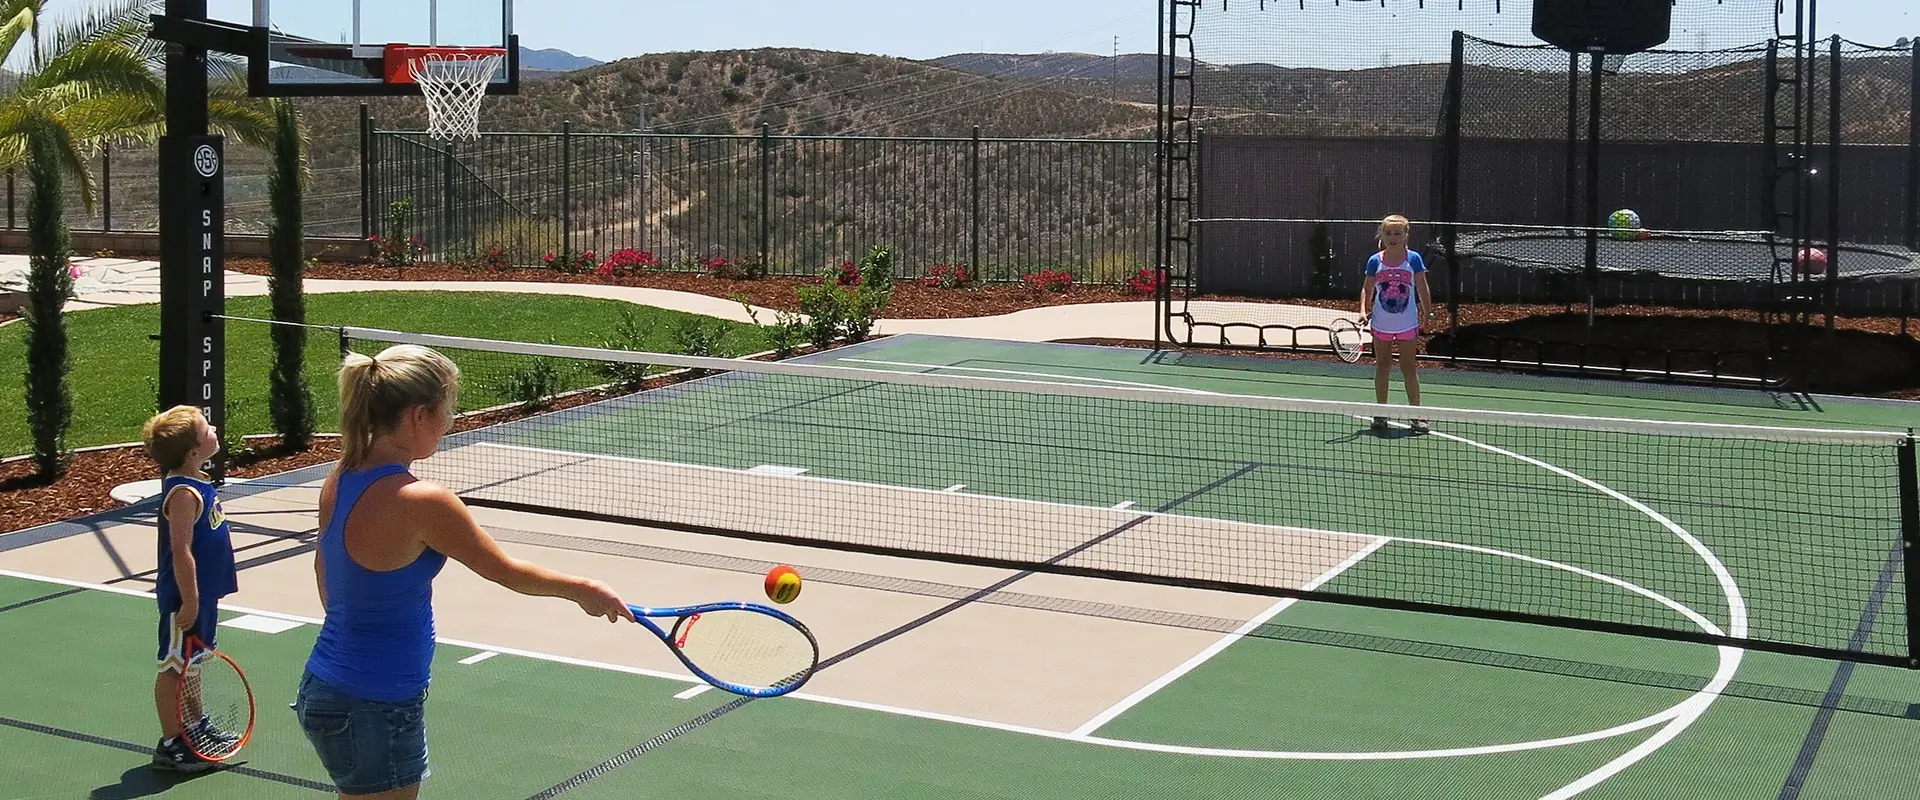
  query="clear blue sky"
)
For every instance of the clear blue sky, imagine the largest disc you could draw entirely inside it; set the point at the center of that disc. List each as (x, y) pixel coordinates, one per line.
(1352, 34)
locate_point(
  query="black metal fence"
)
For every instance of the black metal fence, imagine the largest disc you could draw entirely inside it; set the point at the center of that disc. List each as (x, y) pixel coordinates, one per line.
(794, 205)
(1685, 159)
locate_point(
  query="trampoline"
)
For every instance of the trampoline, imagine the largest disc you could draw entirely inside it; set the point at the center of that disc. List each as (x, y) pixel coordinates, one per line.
(1685, 270)
(1703, 256)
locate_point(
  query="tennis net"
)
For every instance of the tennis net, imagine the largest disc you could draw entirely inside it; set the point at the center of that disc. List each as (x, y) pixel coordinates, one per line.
(1770, 538)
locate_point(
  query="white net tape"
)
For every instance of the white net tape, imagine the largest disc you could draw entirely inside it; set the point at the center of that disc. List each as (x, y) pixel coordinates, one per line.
(454, 84)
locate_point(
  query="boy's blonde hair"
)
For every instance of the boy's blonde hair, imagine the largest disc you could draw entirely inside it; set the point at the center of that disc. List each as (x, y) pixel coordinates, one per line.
(377, 391)
(171, 434)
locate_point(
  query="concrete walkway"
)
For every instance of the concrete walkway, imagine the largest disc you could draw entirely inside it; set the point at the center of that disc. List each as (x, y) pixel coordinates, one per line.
(123, 282)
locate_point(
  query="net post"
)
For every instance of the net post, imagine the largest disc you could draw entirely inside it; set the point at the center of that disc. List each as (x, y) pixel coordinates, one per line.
(1834, 110)
(1450, 190)
(1910, 545)
(1913, 152)
(1593, 194)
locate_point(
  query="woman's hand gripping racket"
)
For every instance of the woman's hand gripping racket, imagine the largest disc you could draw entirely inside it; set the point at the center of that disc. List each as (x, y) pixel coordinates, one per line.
(1348, 338)
(215, 702)
(746, 649)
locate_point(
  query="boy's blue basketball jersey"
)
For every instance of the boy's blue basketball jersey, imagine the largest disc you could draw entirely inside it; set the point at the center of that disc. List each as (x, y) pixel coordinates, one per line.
(212, 547)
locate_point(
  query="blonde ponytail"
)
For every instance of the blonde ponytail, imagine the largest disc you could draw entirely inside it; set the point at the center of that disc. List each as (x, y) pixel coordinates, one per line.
(377, 391)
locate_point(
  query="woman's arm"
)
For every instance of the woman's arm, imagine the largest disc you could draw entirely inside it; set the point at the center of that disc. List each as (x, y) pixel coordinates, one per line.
(445, 525)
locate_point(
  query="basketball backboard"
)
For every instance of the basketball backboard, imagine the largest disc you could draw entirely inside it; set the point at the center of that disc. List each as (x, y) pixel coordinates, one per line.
(340, 47)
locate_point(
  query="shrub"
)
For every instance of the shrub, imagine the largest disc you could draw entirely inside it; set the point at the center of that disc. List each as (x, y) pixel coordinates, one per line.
(1048, 280)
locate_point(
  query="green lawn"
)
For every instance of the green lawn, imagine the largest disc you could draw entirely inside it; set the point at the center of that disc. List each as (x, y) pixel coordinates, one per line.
(115, 364)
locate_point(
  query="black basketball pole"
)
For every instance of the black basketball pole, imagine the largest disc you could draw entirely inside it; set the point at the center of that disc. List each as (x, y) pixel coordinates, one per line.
(192, 236)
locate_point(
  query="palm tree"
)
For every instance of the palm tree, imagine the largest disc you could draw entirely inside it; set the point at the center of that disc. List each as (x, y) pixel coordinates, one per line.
(99, 79)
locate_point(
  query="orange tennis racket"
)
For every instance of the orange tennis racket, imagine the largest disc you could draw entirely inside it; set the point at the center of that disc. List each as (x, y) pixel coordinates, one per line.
(215, 702)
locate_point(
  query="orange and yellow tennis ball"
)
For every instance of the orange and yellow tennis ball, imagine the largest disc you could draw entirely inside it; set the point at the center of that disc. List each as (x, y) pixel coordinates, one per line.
(783, 584)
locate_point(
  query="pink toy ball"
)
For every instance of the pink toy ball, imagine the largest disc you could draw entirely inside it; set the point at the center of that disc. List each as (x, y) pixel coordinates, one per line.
(1811, 261)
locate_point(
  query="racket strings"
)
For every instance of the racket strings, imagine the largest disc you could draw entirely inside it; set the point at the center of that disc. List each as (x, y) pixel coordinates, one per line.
(216, 709)
(1348, 340)
(747, 649)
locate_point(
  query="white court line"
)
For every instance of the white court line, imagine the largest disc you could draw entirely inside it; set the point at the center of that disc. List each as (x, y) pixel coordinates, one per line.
(260, 624)
(1215, 649)
(870, 486)
(954, 488)
(1112, 381)
(1122, 505)
(1124, 744)
(696, 691)
(776, 469)
(1677, 717)
(479, 657)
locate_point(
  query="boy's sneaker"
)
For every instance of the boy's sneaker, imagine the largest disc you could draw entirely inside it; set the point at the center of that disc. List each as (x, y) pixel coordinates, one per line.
(1421, 426)
(173, 755)
(212, 737)
(1379, 423)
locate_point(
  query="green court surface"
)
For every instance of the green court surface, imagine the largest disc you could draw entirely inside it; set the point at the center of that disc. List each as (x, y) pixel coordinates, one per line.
(1322, 700)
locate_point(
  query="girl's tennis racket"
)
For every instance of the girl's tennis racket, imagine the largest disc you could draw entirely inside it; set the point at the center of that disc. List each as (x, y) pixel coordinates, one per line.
(1347, 338)
(746, 649)
(215, 702)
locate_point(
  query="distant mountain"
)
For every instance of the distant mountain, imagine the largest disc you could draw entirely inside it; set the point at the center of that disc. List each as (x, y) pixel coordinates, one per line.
(1045, 66)
(550, 60)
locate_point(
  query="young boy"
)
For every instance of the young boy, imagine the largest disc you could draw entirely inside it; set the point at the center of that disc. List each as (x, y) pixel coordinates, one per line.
(196, 569)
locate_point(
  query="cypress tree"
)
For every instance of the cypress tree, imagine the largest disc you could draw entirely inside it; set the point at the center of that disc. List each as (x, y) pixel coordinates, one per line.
(49, 398)
(289, 397)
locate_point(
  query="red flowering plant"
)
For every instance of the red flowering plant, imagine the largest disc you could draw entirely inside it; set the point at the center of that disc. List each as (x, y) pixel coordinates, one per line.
(947, 276)
(627, 262)
(1048, 280)
(1146, 281)
(571, 263)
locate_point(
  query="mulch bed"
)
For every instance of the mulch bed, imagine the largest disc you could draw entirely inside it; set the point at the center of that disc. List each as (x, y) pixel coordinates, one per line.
(910, 300)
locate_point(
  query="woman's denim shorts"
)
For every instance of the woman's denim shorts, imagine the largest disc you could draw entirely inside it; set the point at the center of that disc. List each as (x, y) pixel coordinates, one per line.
(367, 746)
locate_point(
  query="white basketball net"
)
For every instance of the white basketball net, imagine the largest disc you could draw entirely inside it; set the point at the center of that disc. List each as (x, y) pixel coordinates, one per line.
(454, 84)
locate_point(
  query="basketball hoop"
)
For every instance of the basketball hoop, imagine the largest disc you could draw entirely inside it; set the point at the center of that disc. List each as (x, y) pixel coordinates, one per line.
(454, 82)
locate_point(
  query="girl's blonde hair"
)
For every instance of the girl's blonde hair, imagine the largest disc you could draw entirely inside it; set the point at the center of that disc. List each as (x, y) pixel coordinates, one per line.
(170, 435)
(1392, 221)
(377, 391)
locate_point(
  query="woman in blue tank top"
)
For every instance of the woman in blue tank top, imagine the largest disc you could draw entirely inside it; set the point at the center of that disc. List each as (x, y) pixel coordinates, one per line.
(384, 536)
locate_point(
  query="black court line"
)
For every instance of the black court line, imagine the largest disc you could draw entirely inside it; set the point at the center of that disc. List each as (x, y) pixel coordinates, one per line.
(145, 511)
(279, 537)
(693, 724)
(88, 738)
(1823, 719)
(41, 599)
(1351, 640)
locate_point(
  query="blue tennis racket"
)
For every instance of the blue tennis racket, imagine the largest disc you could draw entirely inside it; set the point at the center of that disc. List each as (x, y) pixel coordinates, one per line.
(743, 648)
